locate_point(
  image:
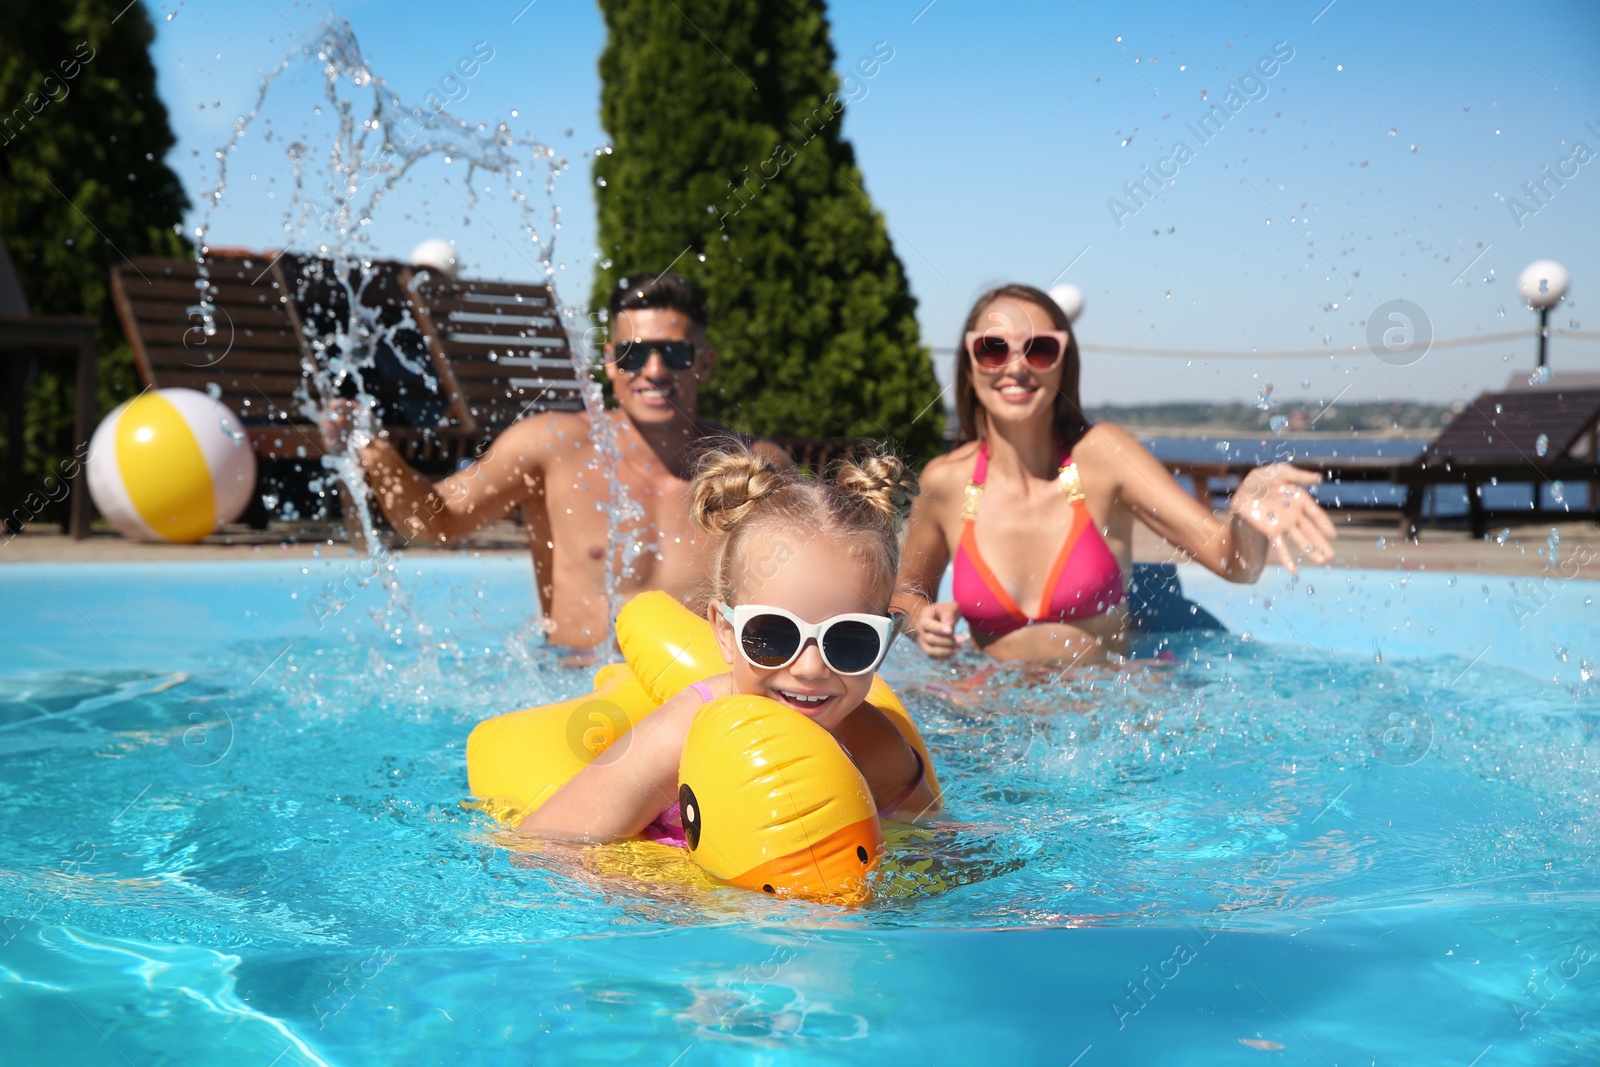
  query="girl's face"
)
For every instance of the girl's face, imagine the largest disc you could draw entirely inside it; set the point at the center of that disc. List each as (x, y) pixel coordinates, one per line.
(815, 577)
(1018, 393)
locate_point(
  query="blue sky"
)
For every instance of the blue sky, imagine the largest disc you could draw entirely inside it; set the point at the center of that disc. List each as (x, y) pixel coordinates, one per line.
(1370, 168)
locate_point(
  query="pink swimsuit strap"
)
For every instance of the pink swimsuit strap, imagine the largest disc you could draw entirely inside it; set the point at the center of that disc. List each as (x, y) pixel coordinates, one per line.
(667, 827)
(1084, 581)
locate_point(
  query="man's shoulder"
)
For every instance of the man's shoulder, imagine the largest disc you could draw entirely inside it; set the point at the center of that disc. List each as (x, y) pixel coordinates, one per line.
(549, 426)
(714, 436)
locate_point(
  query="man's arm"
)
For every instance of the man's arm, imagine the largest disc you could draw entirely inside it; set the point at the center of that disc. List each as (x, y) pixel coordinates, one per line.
(506, 475)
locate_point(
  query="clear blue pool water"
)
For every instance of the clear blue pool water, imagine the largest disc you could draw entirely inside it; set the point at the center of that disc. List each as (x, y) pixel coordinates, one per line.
(1357, 828)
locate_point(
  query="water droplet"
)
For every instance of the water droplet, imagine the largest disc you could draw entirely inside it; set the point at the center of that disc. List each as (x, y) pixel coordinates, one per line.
(1542, 445)
(1540, 376)
(1263, 401)
(213, 390)
(1383, 542)
(1585, 669)
(1278, 422)
(1552, 546)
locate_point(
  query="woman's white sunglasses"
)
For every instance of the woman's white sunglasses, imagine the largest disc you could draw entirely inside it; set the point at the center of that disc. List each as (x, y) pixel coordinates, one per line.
(771, 638)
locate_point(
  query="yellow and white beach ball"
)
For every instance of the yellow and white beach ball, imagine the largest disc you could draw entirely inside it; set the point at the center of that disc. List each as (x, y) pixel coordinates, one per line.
(171, 465)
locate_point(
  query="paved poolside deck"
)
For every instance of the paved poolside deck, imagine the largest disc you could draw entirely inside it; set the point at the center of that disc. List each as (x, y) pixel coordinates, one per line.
(1369, 547)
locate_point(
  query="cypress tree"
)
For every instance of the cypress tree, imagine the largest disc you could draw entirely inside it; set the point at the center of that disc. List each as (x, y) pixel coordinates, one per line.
(727, 162)
(83, 179)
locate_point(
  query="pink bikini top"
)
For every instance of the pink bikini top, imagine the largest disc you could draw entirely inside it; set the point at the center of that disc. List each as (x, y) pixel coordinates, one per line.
(1085, 581)
(667, 827)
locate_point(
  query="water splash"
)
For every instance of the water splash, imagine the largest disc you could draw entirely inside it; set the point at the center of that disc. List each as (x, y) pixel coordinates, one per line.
(368, 142)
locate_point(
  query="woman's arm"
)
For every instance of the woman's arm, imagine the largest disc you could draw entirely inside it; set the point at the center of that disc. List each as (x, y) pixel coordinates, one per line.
(922, 564)
(626, 786)
(1270, 509)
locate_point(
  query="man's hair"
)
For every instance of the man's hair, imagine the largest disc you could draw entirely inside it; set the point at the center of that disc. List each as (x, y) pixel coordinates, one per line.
(672, 292)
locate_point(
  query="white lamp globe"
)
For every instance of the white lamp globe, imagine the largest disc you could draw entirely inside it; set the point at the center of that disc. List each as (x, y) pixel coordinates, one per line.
(1070, 298)
(436, 255)
(1543, 283)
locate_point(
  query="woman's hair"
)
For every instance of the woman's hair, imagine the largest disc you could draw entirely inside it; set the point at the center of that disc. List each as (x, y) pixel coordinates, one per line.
(1070, 422)
(739, 493)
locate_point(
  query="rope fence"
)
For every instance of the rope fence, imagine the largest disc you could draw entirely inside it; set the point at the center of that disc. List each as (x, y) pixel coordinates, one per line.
(1314, 353)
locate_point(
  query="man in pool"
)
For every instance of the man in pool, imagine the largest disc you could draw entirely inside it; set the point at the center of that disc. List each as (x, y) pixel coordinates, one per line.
(547, 465)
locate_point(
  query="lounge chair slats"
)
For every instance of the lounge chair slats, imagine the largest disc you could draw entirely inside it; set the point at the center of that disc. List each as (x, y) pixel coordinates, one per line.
(461, 360)
(1501, 428)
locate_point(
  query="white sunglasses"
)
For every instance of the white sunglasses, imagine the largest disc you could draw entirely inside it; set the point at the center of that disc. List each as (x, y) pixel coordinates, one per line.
(771, 638)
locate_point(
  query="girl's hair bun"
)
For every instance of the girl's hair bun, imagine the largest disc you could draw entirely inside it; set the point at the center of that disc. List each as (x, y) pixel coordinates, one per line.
(728, 485)
(880, 482)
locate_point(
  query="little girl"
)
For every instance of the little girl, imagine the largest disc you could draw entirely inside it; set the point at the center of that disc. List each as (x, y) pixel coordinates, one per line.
(800, 589)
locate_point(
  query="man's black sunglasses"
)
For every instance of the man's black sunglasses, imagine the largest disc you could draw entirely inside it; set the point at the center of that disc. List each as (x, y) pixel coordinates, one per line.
(631, 356)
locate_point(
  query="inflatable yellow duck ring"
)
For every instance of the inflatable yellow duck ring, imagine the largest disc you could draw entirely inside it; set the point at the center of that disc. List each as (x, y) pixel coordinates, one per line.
(769, 800)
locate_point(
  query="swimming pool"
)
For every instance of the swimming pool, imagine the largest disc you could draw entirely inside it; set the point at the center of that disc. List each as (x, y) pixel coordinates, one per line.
(1358, 827)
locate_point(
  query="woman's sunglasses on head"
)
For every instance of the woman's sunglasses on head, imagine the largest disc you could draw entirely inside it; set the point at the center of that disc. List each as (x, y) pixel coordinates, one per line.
(993, 353)
(631, 356)
(771, 638)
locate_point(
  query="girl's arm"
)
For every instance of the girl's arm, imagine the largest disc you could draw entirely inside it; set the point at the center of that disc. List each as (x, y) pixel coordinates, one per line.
(1270, 509)
(626, 786)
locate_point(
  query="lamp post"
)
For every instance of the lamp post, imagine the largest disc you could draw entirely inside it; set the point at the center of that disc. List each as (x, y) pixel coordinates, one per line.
(1070, 297)
(1542, 285)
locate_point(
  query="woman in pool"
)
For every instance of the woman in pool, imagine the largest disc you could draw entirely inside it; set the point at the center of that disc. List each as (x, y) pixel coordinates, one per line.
(1052, 500)
(800, 589)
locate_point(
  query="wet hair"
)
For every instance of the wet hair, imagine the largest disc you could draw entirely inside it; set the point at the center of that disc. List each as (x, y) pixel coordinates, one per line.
(739, 493)
(1070, 422)
(672, 292)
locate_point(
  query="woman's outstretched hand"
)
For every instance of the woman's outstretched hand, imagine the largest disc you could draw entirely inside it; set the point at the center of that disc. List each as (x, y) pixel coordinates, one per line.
(934, 627)
(1274, 501)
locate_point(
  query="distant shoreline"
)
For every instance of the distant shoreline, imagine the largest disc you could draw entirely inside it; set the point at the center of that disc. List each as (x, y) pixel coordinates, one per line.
(1274, 415)
(1139, 430)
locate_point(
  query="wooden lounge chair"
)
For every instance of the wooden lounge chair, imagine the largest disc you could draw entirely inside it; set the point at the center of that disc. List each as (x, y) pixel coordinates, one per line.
(23, 336)
(461, 360)
(1541, 435)
(1494, 440)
